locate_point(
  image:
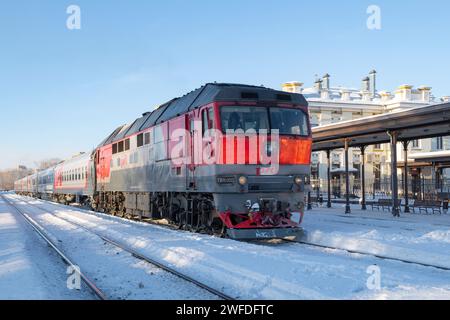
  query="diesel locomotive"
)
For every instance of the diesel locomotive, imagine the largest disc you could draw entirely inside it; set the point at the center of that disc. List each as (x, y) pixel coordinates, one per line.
(226, 159)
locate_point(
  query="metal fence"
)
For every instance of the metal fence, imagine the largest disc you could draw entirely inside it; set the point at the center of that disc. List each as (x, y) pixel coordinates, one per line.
(421, 189)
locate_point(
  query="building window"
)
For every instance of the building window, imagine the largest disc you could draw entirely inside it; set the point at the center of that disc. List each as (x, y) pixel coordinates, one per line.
(377, 146)
(377, 176)
(416, 144)
(314, 120)
(440, 143)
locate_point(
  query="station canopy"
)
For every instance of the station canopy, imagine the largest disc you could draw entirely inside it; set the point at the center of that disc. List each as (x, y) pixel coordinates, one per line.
(438, 157)
(412, 124)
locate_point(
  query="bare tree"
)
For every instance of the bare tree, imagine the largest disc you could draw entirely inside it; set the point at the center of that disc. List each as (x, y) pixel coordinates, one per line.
(47, 163)
(8, 177)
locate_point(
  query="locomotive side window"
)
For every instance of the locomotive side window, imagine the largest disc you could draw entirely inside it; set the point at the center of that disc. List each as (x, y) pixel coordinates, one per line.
(127, 144)
(207, 121)
(204, 122)
(211, 123)
(159, 137)
(120, 147)
(114, 149)
(289, 121)
(140, 140)
(244, 118)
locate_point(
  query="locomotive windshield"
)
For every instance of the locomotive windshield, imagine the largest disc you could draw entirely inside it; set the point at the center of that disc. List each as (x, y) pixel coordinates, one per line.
(288, 121)
(244, 118)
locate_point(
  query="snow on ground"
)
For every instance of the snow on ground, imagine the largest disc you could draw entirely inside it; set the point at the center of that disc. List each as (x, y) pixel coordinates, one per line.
(414, 237)
(269, 271)
(117, 273)
(29, 269)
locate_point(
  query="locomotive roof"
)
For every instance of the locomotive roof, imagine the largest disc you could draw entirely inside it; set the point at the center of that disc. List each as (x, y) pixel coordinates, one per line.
(204, 95)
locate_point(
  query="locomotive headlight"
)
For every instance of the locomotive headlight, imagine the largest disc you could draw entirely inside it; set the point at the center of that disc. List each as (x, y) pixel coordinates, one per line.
(243, 180)
(298, 180)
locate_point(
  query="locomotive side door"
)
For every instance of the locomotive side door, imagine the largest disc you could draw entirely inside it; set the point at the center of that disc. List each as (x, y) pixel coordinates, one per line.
(191, 149)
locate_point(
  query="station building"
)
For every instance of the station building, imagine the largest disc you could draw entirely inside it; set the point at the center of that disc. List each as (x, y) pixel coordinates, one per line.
(333, 104)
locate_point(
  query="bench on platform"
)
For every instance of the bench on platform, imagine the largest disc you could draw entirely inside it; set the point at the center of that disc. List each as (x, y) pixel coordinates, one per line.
(385, 204)
(424, 205)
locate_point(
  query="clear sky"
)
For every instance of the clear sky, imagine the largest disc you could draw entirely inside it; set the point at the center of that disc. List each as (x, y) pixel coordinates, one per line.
(63, 91)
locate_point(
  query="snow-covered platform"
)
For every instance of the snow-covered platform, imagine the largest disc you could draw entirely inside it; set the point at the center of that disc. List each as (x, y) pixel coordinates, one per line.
(422, 238)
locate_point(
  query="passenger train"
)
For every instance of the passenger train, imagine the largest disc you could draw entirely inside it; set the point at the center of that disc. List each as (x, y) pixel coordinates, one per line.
(225, 159)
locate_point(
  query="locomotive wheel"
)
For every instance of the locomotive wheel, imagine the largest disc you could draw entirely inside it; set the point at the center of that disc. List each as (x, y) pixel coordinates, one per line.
(218, 228)
(198, 224)
(202, 222)
(224, 233)
(182, 220)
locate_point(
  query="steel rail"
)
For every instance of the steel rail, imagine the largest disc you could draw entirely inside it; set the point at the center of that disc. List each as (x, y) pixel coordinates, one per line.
(142, 257)
(318, 246)
(40, 231)
(423, 264)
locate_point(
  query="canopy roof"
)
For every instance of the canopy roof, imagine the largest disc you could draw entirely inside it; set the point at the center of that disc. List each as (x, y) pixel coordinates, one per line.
(417, 123)
(436, 157)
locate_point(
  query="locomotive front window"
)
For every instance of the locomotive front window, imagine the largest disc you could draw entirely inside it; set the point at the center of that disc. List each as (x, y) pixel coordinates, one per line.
(244, 118)
(289, 121)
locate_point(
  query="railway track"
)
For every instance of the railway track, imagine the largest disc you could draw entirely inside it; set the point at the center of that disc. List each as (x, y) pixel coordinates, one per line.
(302, 242)
(134, 253)
(40, 231)
(306, 243)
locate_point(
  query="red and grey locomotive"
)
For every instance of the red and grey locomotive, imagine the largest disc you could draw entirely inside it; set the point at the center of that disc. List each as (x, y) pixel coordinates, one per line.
(226, 159)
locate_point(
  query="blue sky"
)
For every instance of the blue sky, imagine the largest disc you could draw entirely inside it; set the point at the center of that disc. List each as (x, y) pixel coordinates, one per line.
(63, 91)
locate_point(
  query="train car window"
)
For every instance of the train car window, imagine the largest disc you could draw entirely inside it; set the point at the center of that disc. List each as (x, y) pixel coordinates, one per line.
(120, 147)
(127, 144)
(244, 118)
(147, 138)
(289, 121)
(140, 140)
(114, 148)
